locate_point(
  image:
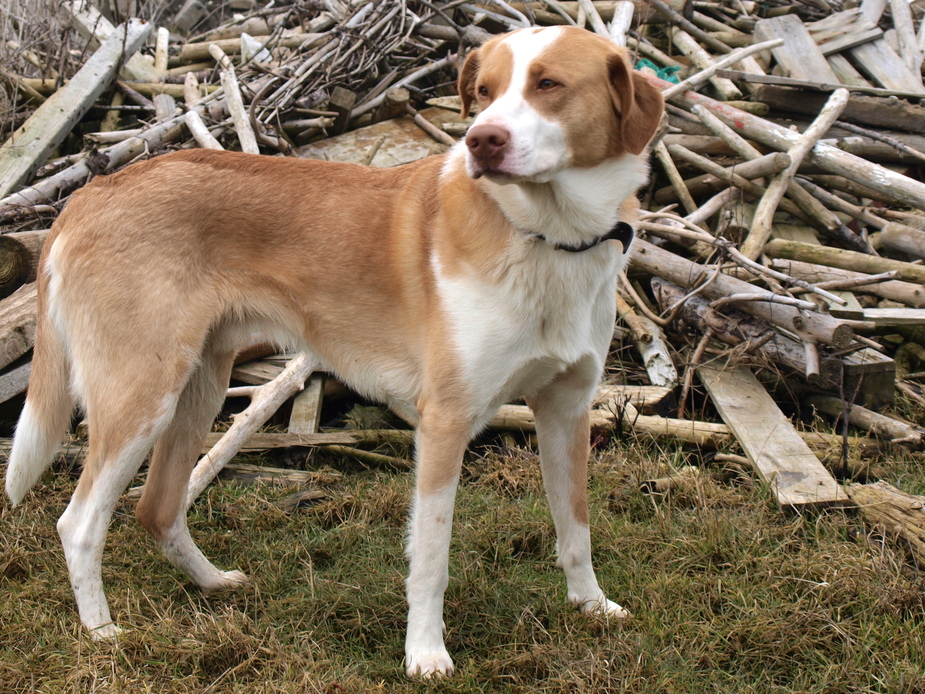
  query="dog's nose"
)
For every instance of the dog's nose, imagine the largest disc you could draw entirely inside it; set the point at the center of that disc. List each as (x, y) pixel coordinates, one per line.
(487, 143)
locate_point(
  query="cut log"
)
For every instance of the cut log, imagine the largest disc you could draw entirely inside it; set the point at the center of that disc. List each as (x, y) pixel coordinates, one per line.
(894, 512)
(848, 260)
(903, 238)
(17, 324)
(769, 440)
(878, 424)
(29, 147)
(15, 264)
(820, 327)
(32, 242)
(15, 382)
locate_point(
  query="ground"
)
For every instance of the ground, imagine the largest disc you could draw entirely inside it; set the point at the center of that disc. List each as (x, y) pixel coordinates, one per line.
(728, 593)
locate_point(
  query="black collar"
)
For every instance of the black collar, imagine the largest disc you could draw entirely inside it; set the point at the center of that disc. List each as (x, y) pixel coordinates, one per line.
(621, 232)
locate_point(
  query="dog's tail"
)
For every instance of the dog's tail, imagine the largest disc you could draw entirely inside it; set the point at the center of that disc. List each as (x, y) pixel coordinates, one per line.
(46, 415)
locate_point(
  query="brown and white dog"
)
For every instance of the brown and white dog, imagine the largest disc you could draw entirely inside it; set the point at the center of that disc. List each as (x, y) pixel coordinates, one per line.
(443, 288)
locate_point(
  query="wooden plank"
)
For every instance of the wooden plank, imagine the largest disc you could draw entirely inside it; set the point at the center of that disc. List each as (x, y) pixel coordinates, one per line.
(33, 142)
(770, 441)
(815, 84)
(94, 28)
(846, 72)
(306, 407)
(878, 61)
(851, 40)
(399, 141)
(265, 441)
(799, 55)
(894, 316)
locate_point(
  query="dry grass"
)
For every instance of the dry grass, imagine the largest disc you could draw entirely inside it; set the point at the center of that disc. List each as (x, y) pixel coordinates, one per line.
(728, 594)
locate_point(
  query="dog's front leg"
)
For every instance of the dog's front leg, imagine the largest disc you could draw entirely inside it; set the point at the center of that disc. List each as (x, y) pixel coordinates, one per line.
(441, 441)
(563, 427)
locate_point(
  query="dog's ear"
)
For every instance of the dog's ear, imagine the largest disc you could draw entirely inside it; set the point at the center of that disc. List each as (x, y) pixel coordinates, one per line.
(638, 103)
(465, 85)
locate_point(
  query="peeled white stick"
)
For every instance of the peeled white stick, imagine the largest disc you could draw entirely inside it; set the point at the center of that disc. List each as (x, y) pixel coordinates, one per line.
(266, 400)
(242, 122)
(760, 232)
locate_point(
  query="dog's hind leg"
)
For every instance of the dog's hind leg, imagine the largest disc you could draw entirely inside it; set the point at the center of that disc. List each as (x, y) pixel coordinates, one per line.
(122, 431)
(563, 427)
(162, 507)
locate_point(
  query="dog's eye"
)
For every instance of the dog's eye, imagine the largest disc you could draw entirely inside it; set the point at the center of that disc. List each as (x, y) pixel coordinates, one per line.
(546, 84)
(483, 91)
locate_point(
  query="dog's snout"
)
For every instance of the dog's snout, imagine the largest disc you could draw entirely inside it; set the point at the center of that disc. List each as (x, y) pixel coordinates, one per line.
(487, 143)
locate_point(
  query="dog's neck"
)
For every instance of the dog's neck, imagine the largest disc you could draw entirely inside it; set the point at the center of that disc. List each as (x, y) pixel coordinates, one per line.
(577, 208)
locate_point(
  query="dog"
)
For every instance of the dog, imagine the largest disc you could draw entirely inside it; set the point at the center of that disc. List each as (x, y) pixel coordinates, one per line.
(442, 288)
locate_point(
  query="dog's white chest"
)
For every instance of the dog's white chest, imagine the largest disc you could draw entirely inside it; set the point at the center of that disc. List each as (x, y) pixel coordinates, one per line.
(514, 335)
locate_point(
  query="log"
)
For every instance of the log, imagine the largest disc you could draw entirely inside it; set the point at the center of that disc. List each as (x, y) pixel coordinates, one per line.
(31, 144)
(15, 382)
(753, 245)
(17, 324)
(32, 242)
(774, 447)
(15, 265)
(894, 512)
(703, 60)
(903, 238)
(264, 404)
(905, 292)
(877, 424)
(817, 326)
(840, 258)
(700, 185)
(823, 155)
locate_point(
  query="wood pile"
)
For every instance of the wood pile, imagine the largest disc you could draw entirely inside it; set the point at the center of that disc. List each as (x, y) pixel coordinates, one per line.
(782, 234)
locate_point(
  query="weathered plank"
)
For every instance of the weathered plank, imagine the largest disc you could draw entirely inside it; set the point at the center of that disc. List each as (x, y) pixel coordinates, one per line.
(306, 407)
(15, 381)
(94, 28)
(774, 447)
(799, 56)
(33, 142)
(878, 61)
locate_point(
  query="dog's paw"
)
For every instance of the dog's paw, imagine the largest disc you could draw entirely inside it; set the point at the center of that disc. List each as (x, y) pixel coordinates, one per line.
(602, 607)
(225, 580)
(430, 664)
(105, 632)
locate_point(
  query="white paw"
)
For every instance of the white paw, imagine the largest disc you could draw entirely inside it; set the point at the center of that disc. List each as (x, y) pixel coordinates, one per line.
(603, 607)
(429, 664)
(225, 580)
(106, 632)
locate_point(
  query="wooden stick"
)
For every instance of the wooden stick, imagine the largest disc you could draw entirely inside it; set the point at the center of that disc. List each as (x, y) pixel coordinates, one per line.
(266, 402)
(667, 265)
(160, 49)
(694, 81)
(200, 132)
(639, 329)
(849, 260)
(703, 60)
(32, 143)
(753, 245)
(242, 122)
(684, 195)
(877, 424)
(825, 156)
(622, 21)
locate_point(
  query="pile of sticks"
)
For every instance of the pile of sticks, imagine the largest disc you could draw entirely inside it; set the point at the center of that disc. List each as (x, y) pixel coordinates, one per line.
(783, 231)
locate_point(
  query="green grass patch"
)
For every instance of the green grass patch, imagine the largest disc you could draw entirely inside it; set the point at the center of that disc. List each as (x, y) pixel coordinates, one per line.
(728, 594)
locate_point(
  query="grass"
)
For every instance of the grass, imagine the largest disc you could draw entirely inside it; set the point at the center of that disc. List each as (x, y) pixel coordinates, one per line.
(728, 593)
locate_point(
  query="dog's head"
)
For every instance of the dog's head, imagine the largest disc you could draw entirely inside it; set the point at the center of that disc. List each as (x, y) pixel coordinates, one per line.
(551, 99)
